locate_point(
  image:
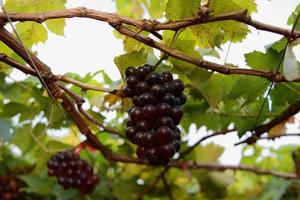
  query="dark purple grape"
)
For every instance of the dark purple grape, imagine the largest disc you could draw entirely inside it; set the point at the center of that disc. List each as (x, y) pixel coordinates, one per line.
(129, 122)
(169, 98)
(139, 138)
(142, 87)
(148, 138)
(142, 72)
(166, 76)
(176, 144)
(143, 125)
(169, 87)
(132, 81)
(178, 86)
(163, 135)
(148, 98)
(149, 111)
(167, 151)
(163, 109)
(136, 114)
(136, 100)
(128, 92)
(177, 113)
(152, 78)
(157, 90)
(182, 98)
(164, 121)
(176, 133)
(152, 155)
(130, 71)
(148, 67)
(130, 132)
(177, 101)
(141, 152)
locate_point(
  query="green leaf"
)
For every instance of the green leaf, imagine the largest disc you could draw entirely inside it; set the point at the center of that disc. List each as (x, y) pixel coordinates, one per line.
(208, 153)
(214, 34)
(37, 184)
(220, 6)
(275, 189)
(22, 138)
(34, 6)
(263, 61)
(12, 109)
(12, 92)
(31, 33)
(5, 127)
(249, 87)
(156, 8)
(56, 26)
(135, 58)
(180, 9)
(129, 8)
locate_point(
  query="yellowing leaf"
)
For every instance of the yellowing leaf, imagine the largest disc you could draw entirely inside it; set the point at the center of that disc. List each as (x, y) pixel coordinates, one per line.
(111, 99)
(56, 26)
(180, 9)
(31, 33)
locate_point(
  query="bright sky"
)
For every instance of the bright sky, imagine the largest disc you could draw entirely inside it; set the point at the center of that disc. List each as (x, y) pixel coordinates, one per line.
(89, 46)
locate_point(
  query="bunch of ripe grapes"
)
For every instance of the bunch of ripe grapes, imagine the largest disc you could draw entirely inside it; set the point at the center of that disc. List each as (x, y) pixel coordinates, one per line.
(9, 188)
(72, 172)
(152, 121)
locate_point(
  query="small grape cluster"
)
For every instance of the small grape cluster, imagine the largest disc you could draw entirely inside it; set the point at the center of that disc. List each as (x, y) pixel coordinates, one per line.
(72, 172)
(9, 188)
(152, 121)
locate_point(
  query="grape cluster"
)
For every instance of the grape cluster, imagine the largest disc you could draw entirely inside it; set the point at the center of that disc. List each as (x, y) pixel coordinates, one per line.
(9, 188)
(72, 172)
(152, 121)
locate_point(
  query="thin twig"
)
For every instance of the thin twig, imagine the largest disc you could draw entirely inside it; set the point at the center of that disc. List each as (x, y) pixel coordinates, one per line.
(188, 150)
(167, 188)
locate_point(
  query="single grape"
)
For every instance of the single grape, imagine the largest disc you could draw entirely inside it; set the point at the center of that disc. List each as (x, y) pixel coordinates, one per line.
(142, 87)
(176, 133)
(130, 132)
(142, 72)
(152, 78)
(136, 114)
(128, 92)
(130, 71)
(163, 135)
(169, 98)
(176, 144)
(132, 81)
(136, 100)
(164, 121)
(148, 98)
(182, 98)
(163, 109)
(129, 122)
(167, 150)
(148, 67)
(141, 152)
(149, 111)
(177, 113)
(157, 90)
(148, 138)
(178, 86)
(166, 76)
(143, 125)
(152, 155)
(138, 138)
(169, 87)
